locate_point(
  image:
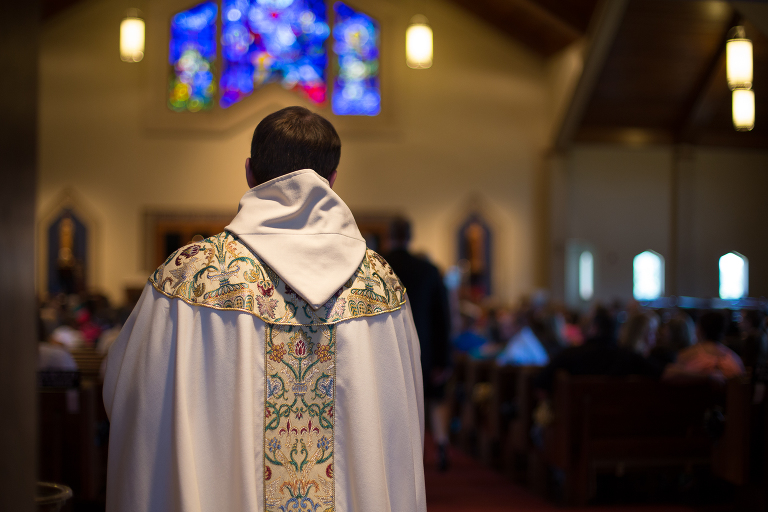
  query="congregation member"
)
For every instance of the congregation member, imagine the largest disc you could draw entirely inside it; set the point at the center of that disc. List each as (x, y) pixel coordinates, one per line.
(274, 366)
(708, 357)
(639, 332)
(431, 315)
(598, 355)
(524, 347)
(469, 341)
(753, 346)
(675, 335)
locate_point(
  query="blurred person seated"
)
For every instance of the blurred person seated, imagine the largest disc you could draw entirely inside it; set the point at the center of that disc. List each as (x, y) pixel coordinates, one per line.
(572, 332)
(678, 333)
(638, 333)
(708, 357)
(753, 345)
(524, 347)
(599, 355)
(469, 341)
(51, 354)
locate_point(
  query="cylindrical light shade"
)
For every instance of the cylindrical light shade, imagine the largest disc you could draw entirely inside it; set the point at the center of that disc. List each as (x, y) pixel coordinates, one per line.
(418, 44)
(743, 110)
(132, 39)
(739, 63)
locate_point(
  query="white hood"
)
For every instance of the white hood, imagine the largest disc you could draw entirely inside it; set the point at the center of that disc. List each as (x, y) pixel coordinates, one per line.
(303, 230)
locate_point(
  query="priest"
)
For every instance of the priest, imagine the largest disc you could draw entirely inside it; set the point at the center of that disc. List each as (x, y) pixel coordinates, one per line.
(274, 366)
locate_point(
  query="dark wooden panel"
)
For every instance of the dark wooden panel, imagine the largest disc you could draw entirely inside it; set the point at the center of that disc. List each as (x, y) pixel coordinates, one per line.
(658, 58)
(530, 22)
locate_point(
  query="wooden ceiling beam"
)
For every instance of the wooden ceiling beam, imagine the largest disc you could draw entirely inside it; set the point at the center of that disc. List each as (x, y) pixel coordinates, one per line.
(577, 14)
(707, 95)
(525, 21)
(606, 22)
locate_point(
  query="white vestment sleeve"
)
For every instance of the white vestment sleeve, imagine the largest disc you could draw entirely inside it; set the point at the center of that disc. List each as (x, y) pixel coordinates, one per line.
(184, 392)
(379, 422)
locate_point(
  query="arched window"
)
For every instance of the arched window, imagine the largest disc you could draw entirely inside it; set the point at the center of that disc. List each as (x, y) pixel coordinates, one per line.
(648, 269)
(586, 275)
(734, 276)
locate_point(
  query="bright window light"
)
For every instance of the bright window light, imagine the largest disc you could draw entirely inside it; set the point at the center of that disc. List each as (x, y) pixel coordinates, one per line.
(648, 276)
(734, 276)
(586, 275)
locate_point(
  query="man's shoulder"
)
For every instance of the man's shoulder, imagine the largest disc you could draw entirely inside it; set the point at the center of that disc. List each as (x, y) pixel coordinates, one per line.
(221, 272)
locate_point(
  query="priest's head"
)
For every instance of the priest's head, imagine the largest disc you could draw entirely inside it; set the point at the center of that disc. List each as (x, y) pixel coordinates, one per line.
(291, 139)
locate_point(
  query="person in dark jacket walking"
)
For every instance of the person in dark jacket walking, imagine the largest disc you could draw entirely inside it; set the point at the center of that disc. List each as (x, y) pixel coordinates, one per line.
(431, 315)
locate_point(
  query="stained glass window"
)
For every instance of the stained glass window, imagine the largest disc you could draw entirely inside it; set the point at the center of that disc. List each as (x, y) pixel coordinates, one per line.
(356, 45)
(266, 41)
(192, 56)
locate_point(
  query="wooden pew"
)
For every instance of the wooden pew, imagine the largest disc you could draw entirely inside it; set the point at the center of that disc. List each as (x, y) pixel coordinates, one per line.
(72, 440)
(611, 423)
(731, 452)
(500, 408)
(475, 407)
(518, 445)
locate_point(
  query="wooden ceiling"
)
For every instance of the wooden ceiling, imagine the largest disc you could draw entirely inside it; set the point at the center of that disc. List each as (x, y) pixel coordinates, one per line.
(544, 26)
(664, 78)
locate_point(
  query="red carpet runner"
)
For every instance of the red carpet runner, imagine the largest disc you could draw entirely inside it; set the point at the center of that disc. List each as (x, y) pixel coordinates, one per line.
(469, 487)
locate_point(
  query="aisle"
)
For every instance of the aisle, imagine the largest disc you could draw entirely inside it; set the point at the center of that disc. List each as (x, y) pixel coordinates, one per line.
(469, 487)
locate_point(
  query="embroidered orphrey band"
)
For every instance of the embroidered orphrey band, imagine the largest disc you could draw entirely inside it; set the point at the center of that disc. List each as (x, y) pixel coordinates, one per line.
(299, 392)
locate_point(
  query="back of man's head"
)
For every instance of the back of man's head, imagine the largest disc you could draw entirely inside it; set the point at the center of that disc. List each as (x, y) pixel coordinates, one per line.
(712, 326)
(291, 139)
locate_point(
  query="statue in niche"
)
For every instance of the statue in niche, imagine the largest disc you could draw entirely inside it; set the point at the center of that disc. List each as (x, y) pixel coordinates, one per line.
(67, 250)
(475, 258)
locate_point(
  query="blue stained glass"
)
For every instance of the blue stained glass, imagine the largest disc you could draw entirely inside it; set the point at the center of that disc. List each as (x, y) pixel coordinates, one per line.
(265, 41)
(192, 55)
(356, 89)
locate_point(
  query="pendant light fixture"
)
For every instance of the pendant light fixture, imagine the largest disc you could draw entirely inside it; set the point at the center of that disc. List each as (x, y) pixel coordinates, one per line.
(738, 54)
(132, 36)
(743, 107)
(418, 43)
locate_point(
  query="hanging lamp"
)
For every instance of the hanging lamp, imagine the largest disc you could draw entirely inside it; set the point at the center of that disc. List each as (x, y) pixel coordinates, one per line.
(132, 36)
(418, 43)
(738, 55)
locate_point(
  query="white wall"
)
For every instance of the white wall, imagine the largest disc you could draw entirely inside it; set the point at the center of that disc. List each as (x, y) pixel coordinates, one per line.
(619, 200)
(471, 128)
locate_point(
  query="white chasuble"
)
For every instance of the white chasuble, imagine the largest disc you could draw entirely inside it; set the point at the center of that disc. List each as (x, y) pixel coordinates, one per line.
(239, 384)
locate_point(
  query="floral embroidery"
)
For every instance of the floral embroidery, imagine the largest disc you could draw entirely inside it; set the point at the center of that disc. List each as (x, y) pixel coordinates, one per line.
(266, 306)
(266, 288)
(300, 354)
(299, 436)
(220, 272)
(323, 353)
(277, 353)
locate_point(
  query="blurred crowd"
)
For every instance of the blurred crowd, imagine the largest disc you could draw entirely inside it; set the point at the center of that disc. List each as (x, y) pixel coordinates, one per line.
(615, 339)
(70, 325)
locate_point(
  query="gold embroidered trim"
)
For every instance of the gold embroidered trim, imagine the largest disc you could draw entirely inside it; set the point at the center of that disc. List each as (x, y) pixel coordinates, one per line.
(221, 273)
(299, 418)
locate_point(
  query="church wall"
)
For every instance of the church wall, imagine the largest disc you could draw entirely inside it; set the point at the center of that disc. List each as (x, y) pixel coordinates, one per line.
(619, 200)
(730, 209)
(466, 134)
